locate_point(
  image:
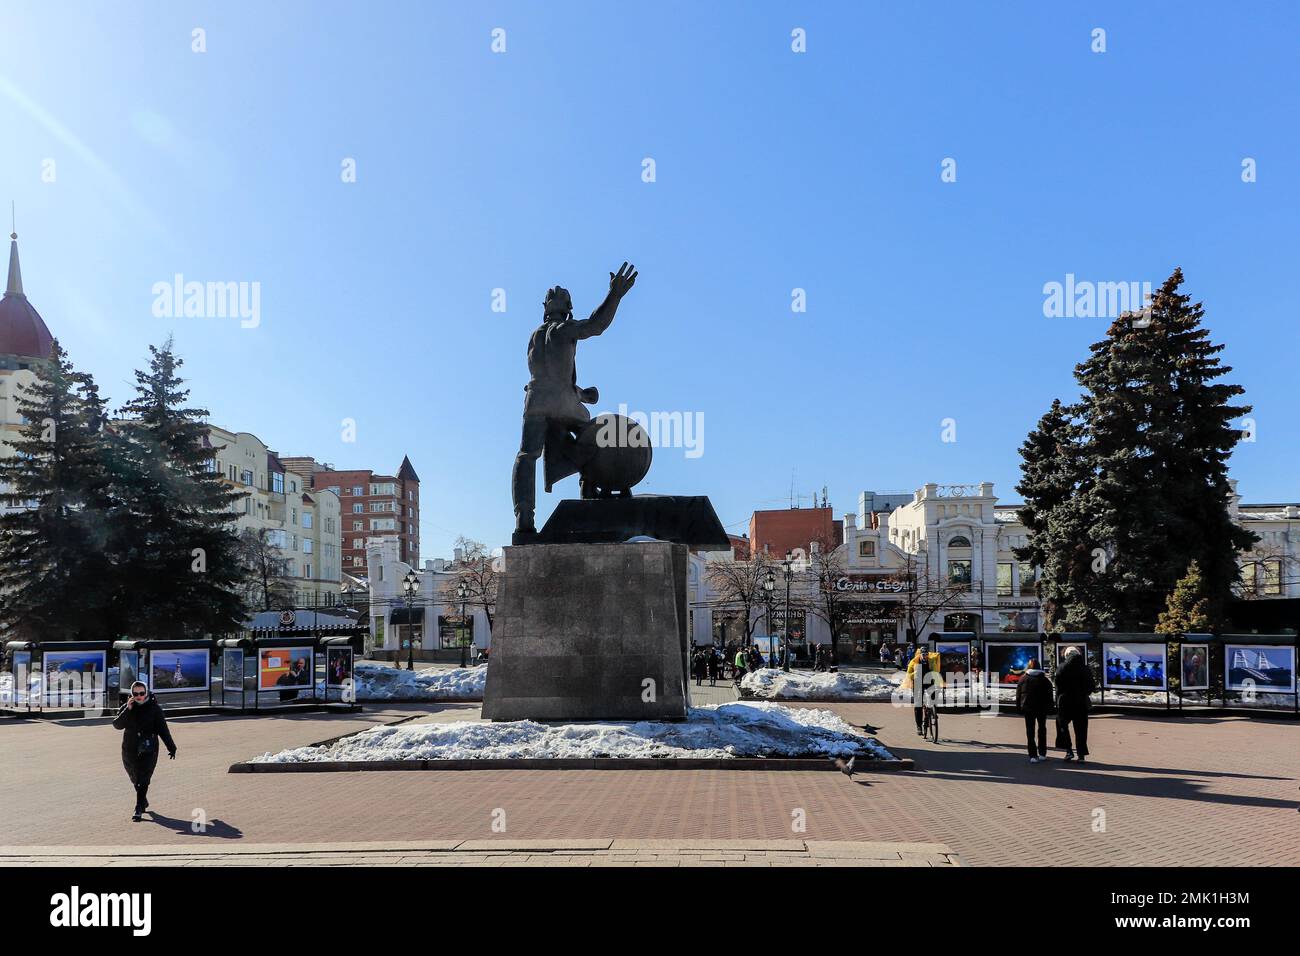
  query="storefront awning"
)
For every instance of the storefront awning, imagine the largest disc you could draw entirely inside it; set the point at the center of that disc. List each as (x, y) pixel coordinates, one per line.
(406, 616)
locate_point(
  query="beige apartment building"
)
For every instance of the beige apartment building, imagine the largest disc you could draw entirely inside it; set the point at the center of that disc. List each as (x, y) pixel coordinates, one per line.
(303, 523)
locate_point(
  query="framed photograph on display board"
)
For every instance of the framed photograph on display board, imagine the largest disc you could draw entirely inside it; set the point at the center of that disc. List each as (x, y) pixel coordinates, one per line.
(1006, 663)
(1195, 660)
(1062, 648)
(176, 672)
(285, 667)
(338, 667)
(1133, 666)
(22, 686)
(954, 659)
(1259, 667)
(74, 678)
(128, 670)
(232, 670)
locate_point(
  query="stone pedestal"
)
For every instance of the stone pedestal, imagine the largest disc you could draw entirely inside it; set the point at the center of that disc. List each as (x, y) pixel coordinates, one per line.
(590, 632)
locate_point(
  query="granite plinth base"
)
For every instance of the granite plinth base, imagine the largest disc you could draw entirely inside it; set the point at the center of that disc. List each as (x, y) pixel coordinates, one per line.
(590, 632)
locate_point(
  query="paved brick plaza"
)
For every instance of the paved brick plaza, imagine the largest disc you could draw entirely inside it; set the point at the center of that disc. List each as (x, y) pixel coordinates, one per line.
(1193, 791)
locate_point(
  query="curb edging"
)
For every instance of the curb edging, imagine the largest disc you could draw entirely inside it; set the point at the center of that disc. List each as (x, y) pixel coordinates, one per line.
(874, 765)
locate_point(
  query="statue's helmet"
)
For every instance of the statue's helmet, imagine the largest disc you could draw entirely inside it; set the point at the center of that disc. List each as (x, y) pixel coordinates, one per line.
(557, 302)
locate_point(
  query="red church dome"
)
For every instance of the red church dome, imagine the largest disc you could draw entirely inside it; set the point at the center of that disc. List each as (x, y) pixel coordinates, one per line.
(22, 330)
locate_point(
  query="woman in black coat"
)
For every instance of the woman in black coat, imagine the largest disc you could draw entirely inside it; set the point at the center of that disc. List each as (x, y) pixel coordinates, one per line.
(1074, 686)
(142, 723)
(1034, 701)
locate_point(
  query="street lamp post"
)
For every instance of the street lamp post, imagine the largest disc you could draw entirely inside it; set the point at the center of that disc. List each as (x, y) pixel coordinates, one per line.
(410, 586)
(462, 592)
(769, 585)
(787, 567)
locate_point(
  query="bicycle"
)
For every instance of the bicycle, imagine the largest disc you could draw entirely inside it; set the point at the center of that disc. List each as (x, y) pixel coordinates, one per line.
(930, 721)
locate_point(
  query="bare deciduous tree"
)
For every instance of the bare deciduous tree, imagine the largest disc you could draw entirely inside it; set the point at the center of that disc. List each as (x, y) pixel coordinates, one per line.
(268, 585)
(739, 587)
(480, 572)
(925, 594)
(827, 565)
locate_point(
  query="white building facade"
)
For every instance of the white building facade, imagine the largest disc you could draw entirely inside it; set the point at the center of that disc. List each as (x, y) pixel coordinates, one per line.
(959, 540)
(431, 618)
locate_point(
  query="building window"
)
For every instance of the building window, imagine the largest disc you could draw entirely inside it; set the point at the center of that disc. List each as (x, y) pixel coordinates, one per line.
(960, 541)
(358, 508)
(277, 482)
(293, 516)
(959, 573)
(333, 488)
(306, 570)
(1268, 577)
(1005, 588)
(358, 490)
(866, 548)
(246, 477)
(358, 525)
(1027, 588)
(306, 519)
(306, 545)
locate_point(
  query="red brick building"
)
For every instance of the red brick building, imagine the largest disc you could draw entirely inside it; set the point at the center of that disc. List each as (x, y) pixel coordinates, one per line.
(787, 529)
(371, 506)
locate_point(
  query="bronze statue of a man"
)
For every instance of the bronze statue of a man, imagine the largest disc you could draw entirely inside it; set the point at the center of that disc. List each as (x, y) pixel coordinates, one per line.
(554, 405)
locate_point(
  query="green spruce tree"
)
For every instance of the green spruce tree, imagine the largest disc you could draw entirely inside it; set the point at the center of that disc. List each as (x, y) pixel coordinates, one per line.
(182, 549)
(55, 570)
(1186, 610)
(1146, 490)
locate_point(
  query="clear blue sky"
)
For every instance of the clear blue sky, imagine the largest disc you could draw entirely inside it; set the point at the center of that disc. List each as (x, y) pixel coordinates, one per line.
(774, 171)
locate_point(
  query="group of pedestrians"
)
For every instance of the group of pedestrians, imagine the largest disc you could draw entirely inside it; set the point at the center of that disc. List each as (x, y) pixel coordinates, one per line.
(1036, 698)
(707, 663)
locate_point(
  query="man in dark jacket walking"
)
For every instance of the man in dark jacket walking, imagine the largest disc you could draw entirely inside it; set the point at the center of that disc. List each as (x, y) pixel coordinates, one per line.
(1074, 687)
(142, 723)
(1034, 701)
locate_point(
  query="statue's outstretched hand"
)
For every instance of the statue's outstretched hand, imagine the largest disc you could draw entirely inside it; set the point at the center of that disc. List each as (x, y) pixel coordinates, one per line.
(622, 281)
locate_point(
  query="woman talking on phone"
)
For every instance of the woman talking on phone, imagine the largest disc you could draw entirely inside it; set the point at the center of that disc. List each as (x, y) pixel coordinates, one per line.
(142, 722)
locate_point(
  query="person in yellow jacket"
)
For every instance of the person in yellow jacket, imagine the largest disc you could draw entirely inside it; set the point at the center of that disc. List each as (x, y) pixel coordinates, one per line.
(918, 680)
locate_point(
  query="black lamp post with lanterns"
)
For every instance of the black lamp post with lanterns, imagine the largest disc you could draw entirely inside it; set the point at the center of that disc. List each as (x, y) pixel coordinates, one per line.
(769, 585)
(410, 587)
(787, 568)
(462, 592)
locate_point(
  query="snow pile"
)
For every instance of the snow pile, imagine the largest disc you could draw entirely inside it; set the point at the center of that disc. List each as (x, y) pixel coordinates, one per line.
(771, 684)
(377, 682)
(719, 731)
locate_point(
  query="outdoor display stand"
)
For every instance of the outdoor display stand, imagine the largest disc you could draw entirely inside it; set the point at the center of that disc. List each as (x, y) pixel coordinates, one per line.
(179, 672)
(1136, 664)
(54, 677)
(1246, 673)
(1006, 656)
(337, 655)
(288, 672)
(1252, 668)
(958, 667)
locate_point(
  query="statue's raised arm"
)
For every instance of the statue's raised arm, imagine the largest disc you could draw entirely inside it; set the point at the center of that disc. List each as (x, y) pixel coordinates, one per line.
(620, 283)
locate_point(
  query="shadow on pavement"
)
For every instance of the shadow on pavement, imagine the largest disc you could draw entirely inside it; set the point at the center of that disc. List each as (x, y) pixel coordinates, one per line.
(1095, 776)
(218, 829)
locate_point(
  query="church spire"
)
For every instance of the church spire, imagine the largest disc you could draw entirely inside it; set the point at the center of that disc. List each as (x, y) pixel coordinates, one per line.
(15, 284)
